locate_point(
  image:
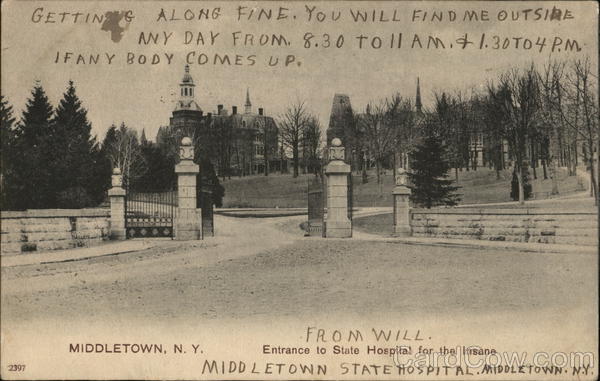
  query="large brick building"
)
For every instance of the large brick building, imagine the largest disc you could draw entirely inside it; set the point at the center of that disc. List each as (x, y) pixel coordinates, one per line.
(236, 142)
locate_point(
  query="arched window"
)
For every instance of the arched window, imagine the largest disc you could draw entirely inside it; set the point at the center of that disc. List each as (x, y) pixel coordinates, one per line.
(185, 91)
(191, 92)
(182, 91)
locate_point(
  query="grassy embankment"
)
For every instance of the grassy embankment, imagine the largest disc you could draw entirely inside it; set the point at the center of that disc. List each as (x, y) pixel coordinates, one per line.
(284, 191)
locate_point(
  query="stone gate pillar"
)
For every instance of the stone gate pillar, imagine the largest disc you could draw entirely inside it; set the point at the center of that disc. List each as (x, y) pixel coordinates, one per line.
(188, 219)
(337, 223)
(117, 206)
(401, 194)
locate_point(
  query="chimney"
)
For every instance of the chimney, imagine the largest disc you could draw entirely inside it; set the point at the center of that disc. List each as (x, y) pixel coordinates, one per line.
(260, 111)
(233, 110)
(219, 109)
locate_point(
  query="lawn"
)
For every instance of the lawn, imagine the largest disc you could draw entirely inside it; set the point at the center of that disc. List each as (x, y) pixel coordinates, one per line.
(481, 186)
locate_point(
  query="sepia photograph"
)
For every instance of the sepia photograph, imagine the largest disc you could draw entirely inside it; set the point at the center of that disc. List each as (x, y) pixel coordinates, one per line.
(299, 190)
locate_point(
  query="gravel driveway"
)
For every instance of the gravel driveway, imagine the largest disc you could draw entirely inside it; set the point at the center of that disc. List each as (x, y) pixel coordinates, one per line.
(258, 267)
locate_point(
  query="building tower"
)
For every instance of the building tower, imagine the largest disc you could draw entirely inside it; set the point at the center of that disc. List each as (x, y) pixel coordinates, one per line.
(187, 84)
(341, 126)
(248, 105)
(418, 104)
(187, 115)
(339, 118)
(186, 93)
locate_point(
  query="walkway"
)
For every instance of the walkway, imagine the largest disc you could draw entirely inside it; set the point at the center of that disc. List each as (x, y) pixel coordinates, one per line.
(76, 254)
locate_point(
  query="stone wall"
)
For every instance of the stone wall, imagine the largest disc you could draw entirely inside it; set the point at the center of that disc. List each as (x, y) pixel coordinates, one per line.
(517, 225)
(53, 229)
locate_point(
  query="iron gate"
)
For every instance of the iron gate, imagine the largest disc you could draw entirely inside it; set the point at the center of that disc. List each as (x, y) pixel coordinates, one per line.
(350, 195)
(150, 214)
(316, 207)
(205, 202)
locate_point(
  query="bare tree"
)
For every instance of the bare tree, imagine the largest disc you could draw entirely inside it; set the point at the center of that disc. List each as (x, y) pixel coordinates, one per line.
(282, 159)
(517, 96)
(405, 124)
(223, 142)
(581, 114)
(267, 131)
(446, 118)
(554, 124)
(291, 126)
(486, 121)
(379, 126)
(312, 143)
(124, 152)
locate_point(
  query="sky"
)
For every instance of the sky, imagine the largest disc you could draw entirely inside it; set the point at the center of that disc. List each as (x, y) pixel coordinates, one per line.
(143, 96)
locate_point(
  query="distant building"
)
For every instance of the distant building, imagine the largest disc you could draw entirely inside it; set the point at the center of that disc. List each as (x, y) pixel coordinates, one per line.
(236, 143)
(343, 125)
(418, 104)
(340, 117)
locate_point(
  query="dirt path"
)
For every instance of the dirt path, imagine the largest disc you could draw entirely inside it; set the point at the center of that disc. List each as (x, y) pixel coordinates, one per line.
(42, 289)
(262, 273)
(257, 266)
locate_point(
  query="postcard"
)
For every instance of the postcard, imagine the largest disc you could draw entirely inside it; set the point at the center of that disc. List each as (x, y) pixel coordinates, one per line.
(299, 190)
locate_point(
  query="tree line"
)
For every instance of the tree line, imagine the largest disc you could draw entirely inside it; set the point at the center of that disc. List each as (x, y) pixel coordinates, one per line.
(49, 157)
(147, 166)
(532, 119)
(51, 160)
(300, 133)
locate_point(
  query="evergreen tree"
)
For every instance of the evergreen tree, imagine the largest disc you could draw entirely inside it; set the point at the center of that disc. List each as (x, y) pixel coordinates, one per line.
(100, 180)
(32, 179)
(429, 173)
(207, 179)
(143, 139)
(109, 145)
(159, 169)
(7, 140)
(74, 164)
(7, 120)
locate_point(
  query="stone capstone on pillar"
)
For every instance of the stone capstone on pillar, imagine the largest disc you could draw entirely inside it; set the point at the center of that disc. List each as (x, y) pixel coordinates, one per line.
(188, 219)
(117, 206)
(337, 223)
